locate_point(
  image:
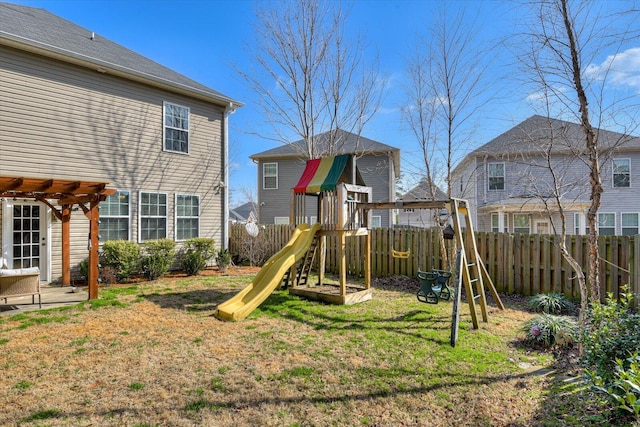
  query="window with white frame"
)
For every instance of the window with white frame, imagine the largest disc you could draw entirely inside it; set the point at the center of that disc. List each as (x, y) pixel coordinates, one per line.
(629, 224)
(607, 224)
(579, 219)
(376, 221)
(621, 173)
(496, 176)
(114, 217)
(187, 216)
(153, 216)
(281, 220)
(176, 128)
(270, 176)
(496, 226)
(521, 223)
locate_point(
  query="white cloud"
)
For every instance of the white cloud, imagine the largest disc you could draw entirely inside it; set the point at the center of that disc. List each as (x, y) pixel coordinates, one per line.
(622, 69)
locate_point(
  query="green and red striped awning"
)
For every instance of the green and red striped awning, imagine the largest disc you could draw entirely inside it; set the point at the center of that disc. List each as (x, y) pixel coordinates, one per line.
(321, 174)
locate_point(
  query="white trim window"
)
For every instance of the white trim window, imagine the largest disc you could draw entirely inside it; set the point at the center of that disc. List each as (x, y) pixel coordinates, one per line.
(621, 173)
(153, 216)
(495, 172)
(607, 224)
(175, 123)
(521, 223)
(115, 214)
(499, 223)
(187, 216)
(281, 220)
(269, 176)
(629, 224)
(376, 221)
(580, 224)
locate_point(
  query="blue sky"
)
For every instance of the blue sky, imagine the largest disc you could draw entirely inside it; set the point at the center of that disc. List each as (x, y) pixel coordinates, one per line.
(205, 39)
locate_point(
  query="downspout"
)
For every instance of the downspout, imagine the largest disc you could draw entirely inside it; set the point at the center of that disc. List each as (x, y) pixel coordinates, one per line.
(229, 110)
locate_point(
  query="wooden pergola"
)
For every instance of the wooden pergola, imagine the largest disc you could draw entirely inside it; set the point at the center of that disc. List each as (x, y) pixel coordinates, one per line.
(66, 194)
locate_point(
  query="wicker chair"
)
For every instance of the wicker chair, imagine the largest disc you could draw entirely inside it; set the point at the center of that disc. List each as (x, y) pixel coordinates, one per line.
(21, 282)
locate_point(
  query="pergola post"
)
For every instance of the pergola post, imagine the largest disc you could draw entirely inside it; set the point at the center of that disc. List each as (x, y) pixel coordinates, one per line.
(94, 216)
(66, 245)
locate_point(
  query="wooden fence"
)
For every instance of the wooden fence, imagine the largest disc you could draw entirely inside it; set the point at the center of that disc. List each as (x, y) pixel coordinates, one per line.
(525, 264)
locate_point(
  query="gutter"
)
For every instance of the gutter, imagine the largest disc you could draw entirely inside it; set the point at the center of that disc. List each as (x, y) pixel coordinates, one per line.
(229, 110)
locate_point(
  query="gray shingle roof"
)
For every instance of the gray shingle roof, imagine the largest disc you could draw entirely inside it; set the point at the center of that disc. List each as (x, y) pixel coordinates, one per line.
(534, 133)
(350, 143)
(422, 192)
(41, 31)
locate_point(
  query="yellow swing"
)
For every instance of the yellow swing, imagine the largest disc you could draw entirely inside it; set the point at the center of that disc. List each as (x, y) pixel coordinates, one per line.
(400, 254)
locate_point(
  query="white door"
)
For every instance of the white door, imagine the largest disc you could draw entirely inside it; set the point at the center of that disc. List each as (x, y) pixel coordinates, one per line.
(542, 227)
(26, 237)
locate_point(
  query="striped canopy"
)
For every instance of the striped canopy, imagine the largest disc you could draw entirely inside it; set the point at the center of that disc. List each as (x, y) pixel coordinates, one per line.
(321, 174)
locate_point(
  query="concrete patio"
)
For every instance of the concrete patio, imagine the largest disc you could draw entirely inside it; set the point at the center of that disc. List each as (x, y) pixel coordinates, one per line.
(52, 296)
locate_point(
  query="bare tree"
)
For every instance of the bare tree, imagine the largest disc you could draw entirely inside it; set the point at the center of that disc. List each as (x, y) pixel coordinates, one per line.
(444, 94)
(564, 39)
(310, 78)
(550, 178)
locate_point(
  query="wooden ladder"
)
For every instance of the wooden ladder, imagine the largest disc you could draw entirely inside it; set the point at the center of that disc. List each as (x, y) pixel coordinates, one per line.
(473, 271)
(303, 267)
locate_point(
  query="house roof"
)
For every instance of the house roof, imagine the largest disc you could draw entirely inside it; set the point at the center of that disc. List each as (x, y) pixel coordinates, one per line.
(39, 31)
(350, 143)
(242, 212)
(523, 138)
(533, 135)
(422, 192)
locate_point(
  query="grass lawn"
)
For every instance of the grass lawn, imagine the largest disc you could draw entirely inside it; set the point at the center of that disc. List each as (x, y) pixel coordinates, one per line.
(153, 354)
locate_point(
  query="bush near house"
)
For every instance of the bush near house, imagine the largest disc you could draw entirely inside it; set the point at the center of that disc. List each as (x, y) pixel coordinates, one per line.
(196, 253)
(223, 259)
(158, 255)
(123, 256)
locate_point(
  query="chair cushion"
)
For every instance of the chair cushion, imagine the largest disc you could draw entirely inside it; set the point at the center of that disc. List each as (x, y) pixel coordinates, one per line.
(19, 271)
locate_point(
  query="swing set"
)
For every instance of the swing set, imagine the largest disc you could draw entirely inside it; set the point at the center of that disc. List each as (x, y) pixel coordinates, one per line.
(470, 270)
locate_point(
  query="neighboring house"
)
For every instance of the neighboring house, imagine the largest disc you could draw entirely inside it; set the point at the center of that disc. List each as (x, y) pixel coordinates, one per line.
(76, 106)
(508, 183)
(280, 168)
(422, 218)
(242, 214)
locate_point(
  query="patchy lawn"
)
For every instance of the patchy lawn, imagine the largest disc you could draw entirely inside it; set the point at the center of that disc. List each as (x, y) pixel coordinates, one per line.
(153, 354)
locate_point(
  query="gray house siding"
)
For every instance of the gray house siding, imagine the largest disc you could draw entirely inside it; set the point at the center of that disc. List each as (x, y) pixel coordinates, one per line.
(58, 120)
(527, 177)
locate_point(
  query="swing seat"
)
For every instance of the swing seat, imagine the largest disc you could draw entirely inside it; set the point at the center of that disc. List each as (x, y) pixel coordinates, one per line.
(434, 286)
(398, 254)
(443, 282)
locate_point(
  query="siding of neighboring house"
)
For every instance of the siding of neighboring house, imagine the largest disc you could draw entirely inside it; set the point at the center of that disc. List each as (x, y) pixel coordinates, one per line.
(58, 120)
(526, 176)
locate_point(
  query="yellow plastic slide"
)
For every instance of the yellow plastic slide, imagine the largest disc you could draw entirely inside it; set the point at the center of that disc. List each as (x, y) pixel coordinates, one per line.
(269, 276)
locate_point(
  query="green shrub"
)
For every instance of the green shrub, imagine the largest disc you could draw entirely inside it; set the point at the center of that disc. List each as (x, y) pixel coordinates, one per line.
(223, 259)
(552, 303)
(548, 329)
(158, 257)
(123, 256)
(612, 333)
(624, 390)
(197, 252)
(83, 266)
